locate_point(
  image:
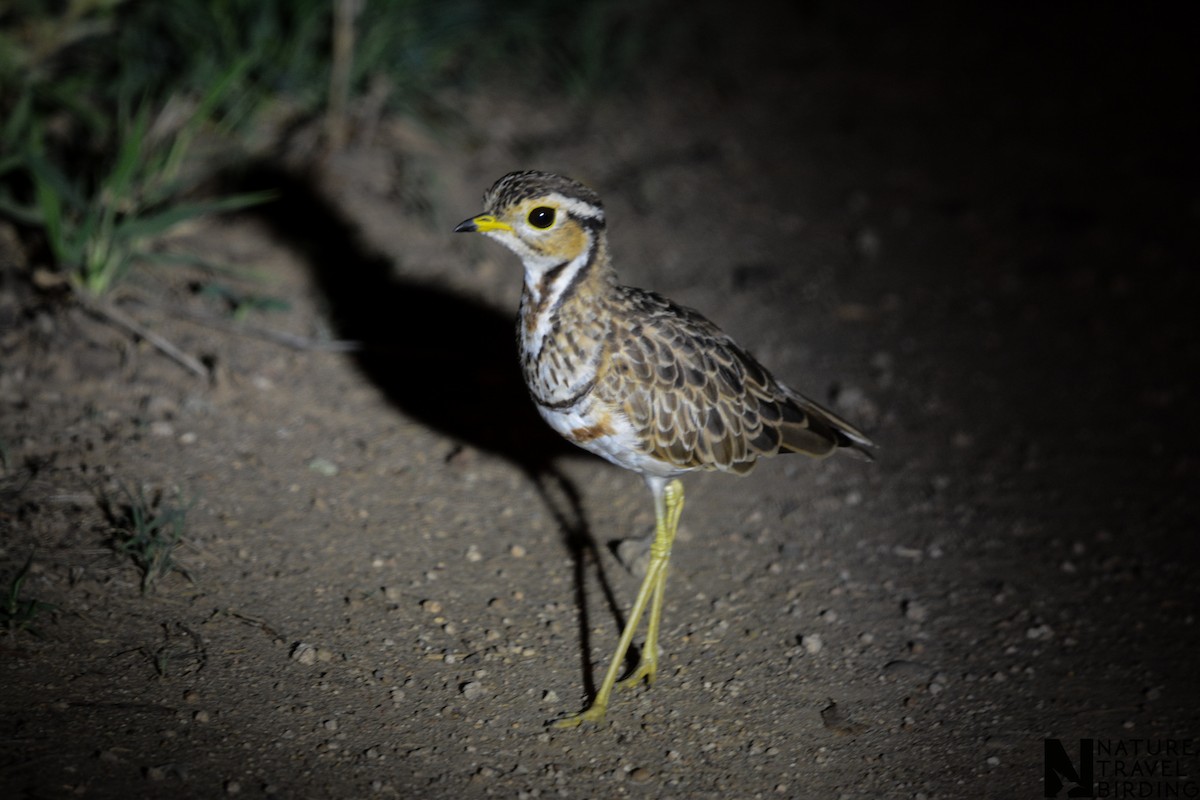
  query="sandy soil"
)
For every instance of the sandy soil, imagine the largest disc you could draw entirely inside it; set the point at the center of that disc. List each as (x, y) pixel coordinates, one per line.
(966, 235)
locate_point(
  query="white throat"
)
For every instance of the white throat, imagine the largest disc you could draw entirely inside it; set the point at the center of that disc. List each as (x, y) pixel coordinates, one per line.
(545, 283)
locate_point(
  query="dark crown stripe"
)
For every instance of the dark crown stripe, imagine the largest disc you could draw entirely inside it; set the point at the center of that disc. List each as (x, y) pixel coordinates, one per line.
(518, 186)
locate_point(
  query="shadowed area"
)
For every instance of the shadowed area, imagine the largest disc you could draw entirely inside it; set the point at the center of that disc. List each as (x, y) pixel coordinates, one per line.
(441, 358)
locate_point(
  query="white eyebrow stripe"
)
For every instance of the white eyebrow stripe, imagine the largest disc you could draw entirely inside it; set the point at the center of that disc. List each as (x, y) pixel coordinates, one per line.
(578, 208)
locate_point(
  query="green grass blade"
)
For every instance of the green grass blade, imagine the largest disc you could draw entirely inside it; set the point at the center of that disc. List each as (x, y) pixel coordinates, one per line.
(161, 222)
(119, 185)
(26, 215)
(49, 203)
(46, 173)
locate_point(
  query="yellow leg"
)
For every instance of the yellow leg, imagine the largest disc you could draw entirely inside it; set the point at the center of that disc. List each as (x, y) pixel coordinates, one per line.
(668, 506)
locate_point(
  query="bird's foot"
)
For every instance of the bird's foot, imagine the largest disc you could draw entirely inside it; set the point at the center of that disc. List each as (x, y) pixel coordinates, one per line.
(593, 713)
(647, 670)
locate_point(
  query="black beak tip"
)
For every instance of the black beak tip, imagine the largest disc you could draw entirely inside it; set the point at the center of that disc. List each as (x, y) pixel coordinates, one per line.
(466, 226)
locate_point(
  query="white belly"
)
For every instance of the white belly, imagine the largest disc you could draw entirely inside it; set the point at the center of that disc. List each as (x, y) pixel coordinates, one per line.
(608, 435)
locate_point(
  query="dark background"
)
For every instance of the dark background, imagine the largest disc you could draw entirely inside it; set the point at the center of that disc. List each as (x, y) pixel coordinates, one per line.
(971, 230)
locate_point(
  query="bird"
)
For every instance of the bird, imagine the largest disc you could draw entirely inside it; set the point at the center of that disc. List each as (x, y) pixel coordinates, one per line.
(627, 374)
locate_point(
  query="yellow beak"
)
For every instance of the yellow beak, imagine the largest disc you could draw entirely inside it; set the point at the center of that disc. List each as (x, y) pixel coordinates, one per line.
(482, 223)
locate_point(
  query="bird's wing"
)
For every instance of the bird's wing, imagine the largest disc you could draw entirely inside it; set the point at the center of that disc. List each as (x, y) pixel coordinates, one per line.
(699, 401)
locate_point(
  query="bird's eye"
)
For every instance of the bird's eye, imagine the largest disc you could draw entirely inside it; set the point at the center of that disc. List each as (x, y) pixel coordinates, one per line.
(541, 217)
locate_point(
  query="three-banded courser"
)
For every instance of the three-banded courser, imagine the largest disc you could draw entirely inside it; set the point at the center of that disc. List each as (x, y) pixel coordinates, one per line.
(649, 385)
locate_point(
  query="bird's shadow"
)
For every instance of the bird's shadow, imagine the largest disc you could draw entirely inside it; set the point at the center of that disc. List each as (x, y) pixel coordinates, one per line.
(441, 358)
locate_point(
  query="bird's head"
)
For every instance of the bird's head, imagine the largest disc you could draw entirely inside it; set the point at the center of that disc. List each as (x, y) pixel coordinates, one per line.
(545, 219)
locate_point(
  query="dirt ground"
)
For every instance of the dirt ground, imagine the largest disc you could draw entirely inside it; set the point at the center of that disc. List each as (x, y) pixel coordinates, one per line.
(974, 237)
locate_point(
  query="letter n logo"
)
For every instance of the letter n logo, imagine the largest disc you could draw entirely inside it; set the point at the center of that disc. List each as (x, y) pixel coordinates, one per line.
(1061, 773)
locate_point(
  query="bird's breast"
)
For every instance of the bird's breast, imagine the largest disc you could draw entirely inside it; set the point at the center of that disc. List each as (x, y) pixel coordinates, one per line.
(561, 354)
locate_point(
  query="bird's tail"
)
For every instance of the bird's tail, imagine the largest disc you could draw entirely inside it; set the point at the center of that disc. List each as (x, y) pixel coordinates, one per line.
(810, 428)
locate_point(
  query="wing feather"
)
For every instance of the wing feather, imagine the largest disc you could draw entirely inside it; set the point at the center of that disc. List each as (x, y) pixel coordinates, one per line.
(699, 401)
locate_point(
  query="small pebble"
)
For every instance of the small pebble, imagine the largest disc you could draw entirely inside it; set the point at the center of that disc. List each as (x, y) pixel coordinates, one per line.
(915, 610)
(812, 643)
(868, 243)
(323, 466)
(1040, 633)
(634, 555)
(304, 653)
(906, 670)
(472, 689)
